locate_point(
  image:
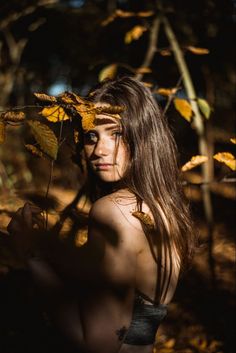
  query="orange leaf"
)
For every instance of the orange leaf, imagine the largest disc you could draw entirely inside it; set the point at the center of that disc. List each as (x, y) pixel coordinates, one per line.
(13, 116)
(143, 70)
(166, 91)
(233, 140)
(134, 34)
(197, 51)
(226, 158)
(145, 13)
(184, 108)
(194, 162)
(54, 114)
(45, 98)
(124, 14)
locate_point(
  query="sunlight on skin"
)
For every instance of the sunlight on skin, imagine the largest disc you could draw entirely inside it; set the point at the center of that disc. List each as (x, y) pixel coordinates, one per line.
(105, 150)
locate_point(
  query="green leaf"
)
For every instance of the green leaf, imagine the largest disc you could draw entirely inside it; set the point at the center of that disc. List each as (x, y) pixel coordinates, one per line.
(45, 138)
(204, 107)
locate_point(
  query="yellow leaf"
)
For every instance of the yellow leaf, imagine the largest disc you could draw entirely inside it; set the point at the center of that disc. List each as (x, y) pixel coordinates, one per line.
(81, 237)
(184, 108)
(108, 20)
(107, 72)
(54, 114)
(194, 162)
(144, 218)
(34, 150)
(170, 343)
(147, 84)
(134, 34)
(2, 131)
(124, 14)
(45, 138)
(143, 70)
(166, 91)
(13, 116)
(226, 158)
(233, 140)
(204, 107)
(165, 52)
(198, 51)
(145, 13)
(88, 117)
(45, 98)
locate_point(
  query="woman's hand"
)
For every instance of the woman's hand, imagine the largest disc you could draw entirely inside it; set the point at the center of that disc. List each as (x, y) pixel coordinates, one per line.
(24, 229)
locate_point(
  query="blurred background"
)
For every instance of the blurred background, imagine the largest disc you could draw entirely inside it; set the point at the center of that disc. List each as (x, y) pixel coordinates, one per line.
(183, 50)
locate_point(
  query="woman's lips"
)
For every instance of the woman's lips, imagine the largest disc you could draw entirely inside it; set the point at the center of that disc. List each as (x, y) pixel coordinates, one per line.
(103, 166)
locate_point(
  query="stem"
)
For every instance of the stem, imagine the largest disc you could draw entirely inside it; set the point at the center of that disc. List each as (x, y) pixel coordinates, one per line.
(47, 191)
(200, 129)
(152, 46)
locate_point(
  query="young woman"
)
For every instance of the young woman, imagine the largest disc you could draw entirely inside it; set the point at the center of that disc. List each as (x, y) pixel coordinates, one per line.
(111, 294)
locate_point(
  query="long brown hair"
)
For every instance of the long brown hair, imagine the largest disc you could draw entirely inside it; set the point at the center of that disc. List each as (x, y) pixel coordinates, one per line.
(153, 174)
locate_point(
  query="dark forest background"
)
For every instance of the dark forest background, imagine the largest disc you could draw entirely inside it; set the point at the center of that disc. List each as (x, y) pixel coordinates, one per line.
(52, 46)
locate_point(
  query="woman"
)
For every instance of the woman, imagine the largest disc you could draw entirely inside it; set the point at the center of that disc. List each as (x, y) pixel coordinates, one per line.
(112, 293)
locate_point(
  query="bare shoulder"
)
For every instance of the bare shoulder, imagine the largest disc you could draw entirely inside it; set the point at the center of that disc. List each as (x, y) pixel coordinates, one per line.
(115, 211)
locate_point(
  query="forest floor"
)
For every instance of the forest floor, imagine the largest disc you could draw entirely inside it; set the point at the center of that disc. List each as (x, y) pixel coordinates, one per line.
(201, 316)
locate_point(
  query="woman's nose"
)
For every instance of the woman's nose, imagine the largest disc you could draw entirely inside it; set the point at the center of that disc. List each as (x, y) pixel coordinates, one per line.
(102, 148)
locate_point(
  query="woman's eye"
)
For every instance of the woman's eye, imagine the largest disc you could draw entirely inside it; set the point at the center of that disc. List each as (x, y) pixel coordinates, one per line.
(90, 137)
(117, 133)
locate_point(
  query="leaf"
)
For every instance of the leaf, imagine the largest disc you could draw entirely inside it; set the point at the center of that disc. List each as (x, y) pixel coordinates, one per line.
(166, 91)
(107, 72)
(2, 131)
(45, 138)
(88, 116)
(134, 34)
(184, 108)
(81, 237)
(108, 20)
(144, 218)
(143, 70)
(147, 84)
(145, 13)
(45, 98)
(54, 114)
(233, 140)
(194, 162)
(76, 136)
(124, 14)
(13, 116)
(165, 52)
(34, 150)
(170, 343)
(204, 107)
(226, 158)
(197, 51)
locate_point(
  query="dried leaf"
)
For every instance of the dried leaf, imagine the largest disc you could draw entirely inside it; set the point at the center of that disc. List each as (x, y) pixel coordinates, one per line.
(88, 117)
(81, 237)
(134, 34)
(147, 84)
(198, 51)
(34, 150)
(226, 158)
(165, 52)
(110, 109)
(145, 13)
(194, 162)
(233, 140)
(124, 14)
(204, 107)
(166, 91)
(184, 108)
(54, 114)
(76, 136)
(108, 20)
(143, 70)
(13, 116)
(45, 98)
(107, 72)
(2, 131)
(170, 343)
(45, 138)
(144, 218)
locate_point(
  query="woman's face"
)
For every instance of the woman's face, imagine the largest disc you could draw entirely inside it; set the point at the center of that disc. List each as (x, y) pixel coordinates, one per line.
(105, 150)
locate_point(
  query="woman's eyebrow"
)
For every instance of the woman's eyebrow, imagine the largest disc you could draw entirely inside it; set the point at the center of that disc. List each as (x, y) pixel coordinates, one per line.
(103, 121)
